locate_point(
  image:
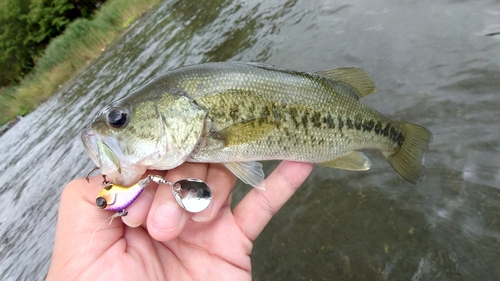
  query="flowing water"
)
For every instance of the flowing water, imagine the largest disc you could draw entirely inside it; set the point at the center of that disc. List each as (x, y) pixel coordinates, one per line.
(436, 63)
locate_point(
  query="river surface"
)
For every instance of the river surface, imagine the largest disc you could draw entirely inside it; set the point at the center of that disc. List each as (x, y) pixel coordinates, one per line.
(436, 63)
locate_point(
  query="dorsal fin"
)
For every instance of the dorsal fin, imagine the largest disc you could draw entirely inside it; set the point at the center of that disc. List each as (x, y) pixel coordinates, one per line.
(359, 79)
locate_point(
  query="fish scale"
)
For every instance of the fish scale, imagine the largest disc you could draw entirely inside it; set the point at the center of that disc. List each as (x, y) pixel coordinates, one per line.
(295, 127)
(294, 132)
(236, 113)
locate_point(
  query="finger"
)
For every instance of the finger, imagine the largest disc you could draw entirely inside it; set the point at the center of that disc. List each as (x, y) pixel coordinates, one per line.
(258, 207)
(221, 181)
(166, 218)
(77, 207)
(139, 210)
(79, 220)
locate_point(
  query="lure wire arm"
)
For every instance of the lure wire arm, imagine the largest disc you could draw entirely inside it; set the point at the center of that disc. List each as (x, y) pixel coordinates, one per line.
(157, 179)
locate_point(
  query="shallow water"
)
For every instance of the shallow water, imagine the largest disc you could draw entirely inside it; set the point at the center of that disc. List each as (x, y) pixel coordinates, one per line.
(436, 64)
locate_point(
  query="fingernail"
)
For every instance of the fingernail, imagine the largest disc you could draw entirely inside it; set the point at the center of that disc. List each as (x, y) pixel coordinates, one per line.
(130, 223)
(167, 217)
(199, 218)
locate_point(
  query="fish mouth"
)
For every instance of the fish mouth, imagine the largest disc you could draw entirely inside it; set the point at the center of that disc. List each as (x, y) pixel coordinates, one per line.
(90, 143)
(111, 160)
(102, 154)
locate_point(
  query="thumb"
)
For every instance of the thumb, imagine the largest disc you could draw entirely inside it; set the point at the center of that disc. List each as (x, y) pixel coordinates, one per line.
(81, 223)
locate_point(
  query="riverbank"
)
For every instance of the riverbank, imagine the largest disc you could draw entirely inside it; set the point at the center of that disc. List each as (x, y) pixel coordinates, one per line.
(68, 53)
(5, 127)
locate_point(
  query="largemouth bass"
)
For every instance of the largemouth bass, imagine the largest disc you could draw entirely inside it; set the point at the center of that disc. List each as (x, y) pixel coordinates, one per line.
(238, 113)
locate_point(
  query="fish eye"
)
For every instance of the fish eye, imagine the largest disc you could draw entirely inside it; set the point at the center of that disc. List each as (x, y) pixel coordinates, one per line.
(101, 203)
(117, 117)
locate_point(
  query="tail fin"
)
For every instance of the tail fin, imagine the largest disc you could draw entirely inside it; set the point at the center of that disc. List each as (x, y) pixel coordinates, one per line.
(408, 160)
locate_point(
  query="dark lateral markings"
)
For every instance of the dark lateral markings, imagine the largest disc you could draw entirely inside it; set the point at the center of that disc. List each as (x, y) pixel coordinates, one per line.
(319, 120)
(348, 123)
(306, 119)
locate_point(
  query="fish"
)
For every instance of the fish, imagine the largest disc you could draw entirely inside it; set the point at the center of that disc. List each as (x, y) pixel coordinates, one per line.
(241, 113)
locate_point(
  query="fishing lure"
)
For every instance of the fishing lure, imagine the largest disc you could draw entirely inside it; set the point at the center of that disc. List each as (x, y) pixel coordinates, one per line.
(194, 195)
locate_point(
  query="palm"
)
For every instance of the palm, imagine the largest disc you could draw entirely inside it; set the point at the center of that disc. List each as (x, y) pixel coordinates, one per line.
(200, 252)
(211, 251)
(218, 248)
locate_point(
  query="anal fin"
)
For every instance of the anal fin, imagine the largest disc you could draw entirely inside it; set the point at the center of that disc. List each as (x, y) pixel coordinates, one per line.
(249, 172)
(353, 161)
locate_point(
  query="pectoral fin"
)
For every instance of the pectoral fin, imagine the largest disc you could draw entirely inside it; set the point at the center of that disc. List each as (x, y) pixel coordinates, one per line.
(247, 131)
(353, 161)
(249, 172)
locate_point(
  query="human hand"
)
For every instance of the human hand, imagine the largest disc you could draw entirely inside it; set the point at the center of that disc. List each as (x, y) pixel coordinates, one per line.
(166, 242)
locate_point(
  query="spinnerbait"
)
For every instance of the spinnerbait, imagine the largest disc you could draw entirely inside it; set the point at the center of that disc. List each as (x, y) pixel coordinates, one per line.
(193, 195)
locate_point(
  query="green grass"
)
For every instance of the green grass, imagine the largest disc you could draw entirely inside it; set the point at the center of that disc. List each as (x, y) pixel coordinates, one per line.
(67, 54)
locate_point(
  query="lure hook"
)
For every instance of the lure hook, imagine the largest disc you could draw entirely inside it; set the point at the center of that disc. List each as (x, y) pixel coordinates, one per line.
(87, 176)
